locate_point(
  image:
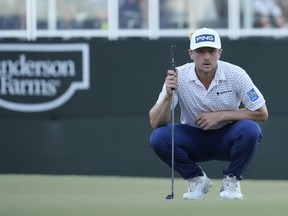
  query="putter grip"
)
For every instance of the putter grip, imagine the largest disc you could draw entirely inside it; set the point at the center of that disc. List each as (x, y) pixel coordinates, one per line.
(173, 61)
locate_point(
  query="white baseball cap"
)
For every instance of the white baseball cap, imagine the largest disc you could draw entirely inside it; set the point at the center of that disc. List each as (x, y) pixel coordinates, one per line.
(205, 37)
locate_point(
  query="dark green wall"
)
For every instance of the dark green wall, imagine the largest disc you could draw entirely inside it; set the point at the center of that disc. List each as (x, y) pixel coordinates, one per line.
(105, 130)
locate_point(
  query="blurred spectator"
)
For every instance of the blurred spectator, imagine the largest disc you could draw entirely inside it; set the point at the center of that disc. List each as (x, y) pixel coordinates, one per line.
(75, 14)
(5, 14)
(222, 13)
(174, 14)
(66, 15)
(192, 14)
(42, 14)
(97, 14)
(12, 14)
(268, 13)
(207, 13)
(133, 14)
(21, 14)
(284, 5)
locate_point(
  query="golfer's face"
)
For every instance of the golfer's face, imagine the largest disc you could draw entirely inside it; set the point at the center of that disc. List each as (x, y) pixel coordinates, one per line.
(205, 58)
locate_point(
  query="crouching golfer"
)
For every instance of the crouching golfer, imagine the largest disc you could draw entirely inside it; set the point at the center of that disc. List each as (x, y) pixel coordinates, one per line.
(212, 125)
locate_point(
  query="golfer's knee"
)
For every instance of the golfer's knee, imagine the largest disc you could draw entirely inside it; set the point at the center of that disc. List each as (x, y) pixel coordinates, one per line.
(252, 129)
(251, 133)
(158, 138)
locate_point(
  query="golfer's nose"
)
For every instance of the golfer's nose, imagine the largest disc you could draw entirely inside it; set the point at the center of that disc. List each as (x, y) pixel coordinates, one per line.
(206, 55)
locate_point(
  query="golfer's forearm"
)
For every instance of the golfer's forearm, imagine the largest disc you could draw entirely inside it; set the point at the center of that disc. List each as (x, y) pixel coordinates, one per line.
(160, 114)
(258, 115)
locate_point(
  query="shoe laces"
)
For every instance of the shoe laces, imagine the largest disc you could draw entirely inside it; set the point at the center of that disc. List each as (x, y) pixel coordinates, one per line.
(231, 184)
(194, 183)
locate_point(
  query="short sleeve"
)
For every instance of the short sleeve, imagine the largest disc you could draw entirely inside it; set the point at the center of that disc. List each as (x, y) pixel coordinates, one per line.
(251, 97)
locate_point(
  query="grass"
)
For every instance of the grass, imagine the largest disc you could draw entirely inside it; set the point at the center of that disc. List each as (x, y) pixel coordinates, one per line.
(37, 195)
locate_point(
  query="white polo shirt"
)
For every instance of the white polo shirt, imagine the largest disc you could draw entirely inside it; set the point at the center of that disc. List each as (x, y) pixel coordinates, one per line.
(230, 86)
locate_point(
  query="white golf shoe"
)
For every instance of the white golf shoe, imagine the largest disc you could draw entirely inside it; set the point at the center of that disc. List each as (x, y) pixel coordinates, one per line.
(197, 187)
(230, 188)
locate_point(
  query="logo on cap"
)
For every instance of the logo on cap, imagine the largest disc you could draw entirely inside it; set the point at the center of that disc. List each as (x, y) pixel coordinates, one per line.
(205, 38)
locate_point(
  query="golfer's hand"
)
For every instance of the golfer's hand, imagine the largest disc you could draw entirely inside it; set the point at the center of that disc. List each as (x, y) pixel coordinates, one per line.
(208, 120)
(171, 81)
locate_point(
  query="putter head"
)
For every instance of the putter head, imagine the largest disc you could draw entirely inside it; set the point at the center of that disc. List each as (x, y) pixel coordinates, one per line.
(170, 196)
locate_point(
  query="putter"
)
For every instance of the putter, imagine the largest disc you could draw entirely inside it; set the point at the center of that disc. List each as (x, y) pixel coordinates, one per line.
(173, 66)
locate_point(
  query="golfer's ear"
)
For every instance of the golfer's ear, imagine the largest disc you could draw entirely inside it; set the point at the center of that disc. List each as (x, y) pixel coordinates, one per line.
(190, 54)
(220, 52)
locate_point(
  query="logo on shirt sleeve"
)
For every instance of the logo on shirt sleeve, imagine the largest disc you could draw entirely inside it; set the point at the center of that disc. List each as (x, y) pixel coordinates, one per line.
(252, 95)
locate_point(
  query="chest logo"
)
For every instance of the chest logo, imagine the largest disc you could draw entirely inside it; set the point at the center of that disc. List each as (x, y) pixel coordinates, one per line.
(223, 92)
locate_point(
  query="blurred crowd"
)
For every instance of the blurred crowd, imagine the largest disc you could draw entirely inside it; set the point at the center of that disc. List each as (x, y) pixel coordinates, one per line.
(133, 14)
(270, 13)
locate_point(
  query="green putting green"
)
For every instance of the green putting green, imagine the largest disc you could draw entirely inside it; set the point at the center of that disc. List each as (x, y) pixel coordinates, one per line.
(44, 195)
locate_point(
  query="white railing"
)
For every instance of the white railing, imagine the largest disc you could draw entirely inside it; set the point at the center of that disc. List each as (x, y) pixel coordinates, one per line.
(153, 31)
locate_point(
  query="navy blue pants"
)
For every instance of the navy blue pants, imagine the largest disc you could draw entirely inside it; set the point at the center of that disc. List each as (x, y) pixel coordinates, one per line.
(236, 143)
